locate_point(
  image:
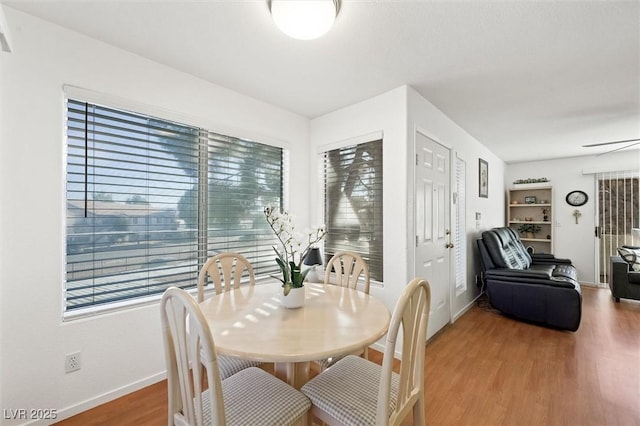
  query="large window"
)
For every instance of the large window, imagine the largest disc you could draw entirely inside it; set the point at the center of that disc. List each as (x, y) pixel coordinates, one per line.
(148, 200)
(353, 202)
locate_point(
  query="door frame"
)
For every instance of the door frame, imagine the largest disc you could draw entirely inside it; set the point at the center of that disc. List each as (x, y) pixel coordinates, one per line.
(411, 234)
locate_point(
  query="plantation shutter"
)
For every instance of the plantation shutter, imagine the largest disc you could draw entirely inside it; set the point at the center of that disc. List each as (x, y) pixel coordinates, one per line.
(353, 203)
(460, 245)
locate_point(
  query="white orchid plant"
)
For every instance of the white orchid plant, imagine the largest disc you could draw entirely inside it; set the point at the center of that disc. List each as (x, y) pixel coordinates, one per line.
(294, 246)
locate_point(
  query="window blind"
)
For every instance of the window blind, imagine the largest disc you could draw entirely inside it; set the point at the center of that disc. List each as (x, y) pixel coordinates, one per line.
(149, 199)
(353, 203)
(619, 214)
(243, 178)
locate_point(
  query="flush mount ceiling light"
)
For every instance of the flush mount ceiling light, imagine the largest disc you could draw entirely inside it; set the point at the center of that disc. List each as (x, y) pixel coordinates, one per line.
(304, 19)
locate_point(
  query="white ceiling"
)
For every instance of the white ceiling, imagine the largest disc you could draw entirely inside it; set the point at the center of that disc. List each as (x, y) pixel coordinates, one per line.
(528, 79)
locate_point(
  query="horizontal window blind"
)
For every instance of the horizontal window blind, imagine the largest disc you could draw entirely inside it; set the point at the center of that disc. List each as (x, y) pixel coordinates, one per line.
(136, 187)
(243, 177)
(353, 203)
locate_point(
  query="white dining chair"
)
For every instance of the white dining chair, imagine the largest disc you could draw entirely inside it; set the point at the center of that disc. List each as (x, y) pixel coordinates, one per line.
(346, 269)
(250, 397)
(226, 271)
(356, 391)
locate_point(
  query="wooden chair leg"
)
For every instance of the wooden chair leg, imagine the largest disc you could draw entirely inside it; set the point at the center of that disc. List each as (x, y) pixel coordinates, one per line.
(418, 412)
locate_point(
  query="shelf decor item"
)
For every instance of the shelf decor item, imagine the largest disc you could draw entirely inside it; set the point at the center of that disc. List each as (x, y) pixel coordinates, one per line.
(530, 180)
(529, 229)
(294, 248)
(530, 199)
(545, 214)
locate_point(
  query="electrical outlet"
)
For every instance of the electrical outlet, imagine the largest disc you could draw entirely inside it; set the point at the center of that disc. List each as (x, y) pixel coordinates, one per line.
(72, 362)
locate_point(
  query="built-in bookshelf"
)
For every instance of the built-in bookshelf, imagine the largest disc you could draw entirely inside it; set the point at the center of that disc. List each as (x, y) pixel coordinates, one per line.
(531, 206)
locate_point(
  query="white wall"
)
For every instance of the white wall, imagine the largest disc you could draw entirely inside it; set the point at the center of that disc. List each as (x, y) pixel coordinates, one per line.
(122, 350)
(396, 113)
(574, 241)
(385, 113)
(424, 116)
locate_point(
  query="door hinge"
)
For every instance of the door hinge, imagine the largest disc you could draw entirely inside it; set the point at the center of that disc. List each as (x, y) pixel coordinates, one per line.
(417, 160)
(416, 241)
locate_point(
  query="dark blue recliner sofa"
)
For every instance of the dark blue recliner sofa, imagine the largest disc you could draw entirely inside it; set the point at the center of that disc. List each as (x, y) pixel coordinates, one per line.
(537, 288)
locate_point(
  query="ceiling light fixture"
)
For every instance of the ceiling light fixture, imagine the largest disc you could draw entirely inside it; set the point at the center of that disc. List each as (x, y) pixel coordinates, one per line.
(304, 19)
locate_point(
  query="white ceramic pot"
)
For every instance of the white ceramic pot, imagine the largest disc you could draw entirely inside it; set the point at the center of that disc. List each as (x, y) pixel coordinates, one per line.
(295, 298)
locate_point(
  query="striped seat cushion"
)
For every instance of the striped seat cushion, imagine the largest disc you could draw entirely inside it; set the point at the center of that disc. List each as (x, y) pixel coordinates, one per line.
(328, 362)
(254, 397)
(229, 365)
(348, 391)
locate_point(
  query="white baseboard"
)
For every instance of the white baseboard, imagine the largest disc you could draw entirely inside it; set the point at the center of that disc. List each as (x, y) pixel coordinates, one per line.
(465, 309)
(88, 404)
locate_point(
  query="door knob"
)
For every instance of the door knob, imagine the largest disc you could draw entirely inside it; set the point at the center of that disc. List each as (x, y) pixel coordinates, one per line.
(449, 245)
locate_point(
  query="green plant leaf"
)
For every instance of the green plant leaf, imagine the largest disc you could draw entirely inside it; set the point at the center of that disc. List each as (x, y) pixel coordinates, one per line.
(283, 269)
(304, 274)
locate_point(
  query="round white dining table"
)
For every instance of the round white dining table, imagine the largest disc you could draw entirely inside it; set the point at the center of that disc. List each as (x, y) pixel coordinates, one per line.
(251, 323)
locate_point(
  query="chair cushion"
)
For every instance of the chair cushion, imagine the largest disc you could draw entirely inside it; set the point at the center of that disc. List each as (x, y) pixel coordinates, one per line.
(229, 365)
(328, 362)
(254, 397)
(506, 249)
(348, 390)
(631, 256)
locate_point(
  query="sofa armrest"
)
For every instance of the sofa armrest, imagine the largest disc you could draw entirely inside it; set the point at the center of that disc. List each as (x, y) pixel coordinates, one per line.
(618, 278)
(538, 273)
(619, 268)
(623, 282)
(544, 258)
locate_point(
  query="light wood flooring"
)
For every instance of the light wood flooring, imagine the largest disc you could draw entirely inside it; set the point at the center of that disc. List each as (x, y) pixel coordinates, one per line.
(486, 369)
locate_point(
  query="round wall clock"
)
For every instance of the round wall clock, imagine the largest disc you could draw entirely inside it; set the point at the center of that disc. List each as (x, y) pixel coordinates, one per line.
(577, 198)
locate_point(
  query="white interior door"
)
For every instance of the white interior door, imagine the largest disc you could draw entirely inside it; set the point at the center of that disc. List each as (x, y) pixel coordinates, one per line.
(433, 235)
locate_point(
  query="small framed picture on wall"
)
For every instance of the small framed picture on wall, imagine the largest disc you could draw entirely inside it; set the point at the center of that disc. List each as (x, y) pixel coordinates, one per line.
(483, 178)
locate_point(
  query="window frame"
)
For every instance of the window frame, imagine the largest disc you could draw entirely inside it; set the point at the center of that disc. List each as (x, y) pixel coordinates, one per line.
(376, 279)
(84, 95)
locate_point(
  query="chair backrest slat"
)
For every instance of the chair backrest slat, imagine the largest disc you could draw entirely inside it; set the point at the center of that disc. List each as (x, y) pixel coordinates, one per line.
(226, 271)
(411, 314)
(349, 269)
(187, 350)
